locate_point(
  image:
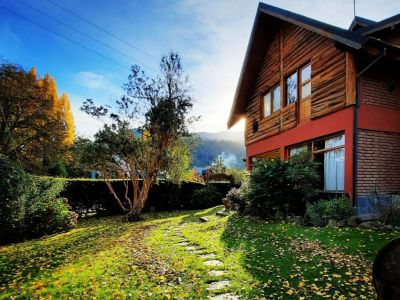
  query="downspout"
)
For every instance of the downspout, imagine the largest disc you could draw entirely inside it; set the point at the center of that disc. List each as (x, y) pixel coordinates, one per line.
(355, 121)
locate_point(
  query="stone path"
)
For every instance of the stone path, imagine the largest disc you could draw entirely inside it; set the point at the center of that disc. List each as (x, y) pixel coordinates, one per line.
(209, 260)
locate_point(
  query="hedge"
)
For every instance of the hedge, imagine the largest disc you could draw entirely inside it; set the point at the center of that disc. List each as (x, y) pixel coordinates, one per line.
(92, 195)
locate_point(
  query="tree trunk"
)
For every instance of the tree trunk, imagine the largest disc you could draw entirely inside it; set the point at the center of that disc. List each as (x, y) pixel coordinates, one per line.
(135, 214)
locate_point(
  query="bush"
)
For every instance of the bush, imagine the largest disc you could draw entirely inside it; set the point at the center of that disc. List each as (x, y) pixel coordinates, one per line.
(14, 183)
(48, 213)
(29, 206)
(268, 190)
(386, 206)
(324, 210)
(278, 188)
(207, 196)
(302, 172)
(237, 197)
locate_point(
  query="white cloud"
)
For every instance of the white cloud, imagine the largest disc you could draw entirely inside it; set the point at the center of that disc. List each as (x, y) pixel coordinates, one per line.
(85, 125)
(93, 80)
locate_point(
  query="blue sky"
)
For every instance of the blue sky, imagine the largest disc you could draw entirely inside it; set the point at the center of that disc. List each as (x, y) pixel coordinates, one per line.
(211, 37)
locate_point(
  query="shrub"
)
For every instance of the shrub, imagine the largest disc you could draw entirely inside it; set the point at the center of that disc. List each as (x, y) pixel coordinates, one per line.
(47, 213)
(278, 188)
(269, 188)
(13, 187)
(386, 206)
(238, 197)
(207, 196)
(302, 172)
(29, 206)
(325, 210)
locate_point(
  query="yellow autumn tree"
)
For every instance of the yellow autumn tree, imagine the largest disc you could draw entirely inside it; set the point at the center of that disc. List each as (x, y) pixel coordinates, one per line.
(68, 119)
(36, 126)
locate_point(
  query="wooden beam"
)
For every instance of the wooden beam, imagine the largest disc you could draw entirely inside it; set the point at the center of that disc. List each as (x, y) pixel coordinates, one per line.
(350, 79)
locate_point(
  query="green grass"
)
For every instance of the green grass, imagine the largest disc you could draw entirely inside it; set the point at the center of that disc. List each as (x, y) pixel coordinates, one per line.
(106, 258)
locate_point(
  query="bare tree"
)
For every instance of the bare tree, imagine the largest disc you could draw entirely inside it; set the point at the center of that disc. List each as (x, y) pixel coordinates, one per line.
(159, 107)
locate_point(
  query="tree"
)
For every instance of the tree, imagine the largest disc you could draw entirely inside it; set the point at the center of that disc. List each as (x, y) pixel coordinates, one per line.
(33, 128)
(218, 166)
(178, 162)
(68, 119)
(159, 108)
(76, 164)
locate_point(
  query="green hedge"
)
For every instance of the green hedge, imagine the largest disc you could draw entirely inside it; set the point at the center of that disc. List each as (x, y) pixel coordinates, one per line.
(92, 195)
(30, 206)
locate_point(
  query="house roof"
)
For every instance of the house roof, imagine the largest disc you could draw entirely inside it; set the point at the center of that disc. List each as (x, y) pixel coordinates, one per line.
(266, 17)
(360, 22)
(378, 26)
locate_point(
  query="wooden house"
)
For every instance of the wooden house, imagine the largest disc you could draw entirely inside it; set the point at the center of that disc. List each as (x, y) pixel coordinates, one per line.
(308, 84)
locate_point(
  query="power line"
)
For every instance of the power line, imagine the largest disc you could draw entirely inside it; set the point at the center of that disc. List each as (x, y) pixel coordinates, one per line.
(110, 34)
(86, 35)
(62, 36)
(83, 46)
(101, 29)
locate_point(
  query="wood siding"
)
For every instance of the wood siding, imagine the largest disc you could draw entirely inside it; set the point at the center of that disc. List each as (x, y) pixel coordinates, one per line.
(290, 48)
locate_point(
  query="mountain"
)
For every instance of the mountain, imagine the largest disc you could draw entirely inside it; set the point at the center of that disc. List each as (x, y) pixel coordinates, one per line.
(225, 144)
(225, 135)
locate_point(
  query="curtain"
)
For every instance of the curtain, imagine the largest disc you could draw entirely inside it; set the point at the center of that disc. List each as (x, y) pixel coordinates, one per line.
(334, 170)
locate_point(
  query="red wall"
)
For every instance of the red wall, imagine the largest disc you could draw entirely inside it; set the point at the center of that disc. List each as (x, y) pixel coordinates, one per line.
(340, 121)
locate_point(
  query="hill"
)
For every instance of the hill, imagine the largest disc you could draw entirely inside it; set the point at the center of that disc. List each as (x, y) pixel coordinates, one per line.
(225, 144)
(226, 135)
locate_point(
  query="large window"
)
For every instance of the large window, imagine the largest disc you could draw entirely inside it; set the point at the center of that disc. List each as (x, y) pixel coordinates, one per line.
(291, 89)
(272, 101)
(330, 154)
(298, 83)
(305, 79)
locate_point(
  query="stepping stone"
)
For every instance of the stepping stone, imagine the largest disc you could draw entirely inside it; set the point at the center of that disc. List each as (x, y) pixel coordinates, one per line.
(183, 244)
(226, 296)
(213, 263)
(217, 285)
(207, 256)
(216, 273)
(191, 248)
(222, 213)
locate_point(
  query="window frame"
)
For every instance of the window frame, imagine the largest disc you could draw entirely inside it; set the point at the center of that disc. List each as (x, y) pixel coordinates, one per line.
(272, 99)
(301, 83)
(295, 71)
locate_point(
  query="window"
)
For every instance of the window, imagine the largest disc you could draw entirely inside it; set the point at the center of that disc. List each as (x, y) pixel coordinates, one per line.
(276, 99)
(297, 150)
(267, 104)
(330, 153)
(305, 82)
(272, 101)
(291, 89)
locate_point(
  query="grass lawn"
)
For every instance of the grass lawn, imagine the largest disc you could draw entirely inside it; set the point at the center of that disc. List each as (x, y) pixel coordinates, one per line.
(106, 258)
